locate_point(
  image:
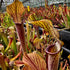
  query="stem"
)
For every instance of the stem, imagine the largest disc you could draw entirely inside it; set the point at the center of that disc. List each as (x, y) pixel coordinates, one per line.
(2, 63)
(4, 66)
(33, 32)
(37, 29)
(21, 35)
(14, 58)
(28, 33)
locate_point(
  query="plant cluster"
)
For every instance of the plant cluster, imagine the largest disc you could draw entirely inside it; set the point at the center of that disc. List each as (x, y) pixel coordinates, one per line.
(58, 15)
(25, 49)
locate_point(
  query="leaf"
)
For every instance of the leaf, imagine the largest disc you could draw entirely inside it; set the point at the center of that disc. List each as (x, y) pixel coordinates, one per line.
(7, 21)
(68, 19)
(3, 36)
(32, 17)
(34, 61)
(47, 26)
(10, 42)
(16, 10)
(37, 40)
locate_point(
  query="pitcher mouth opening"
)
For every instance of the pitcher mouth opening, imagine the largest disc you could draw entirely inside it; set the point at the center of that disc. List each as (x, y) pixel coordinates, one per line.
(52, 53)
